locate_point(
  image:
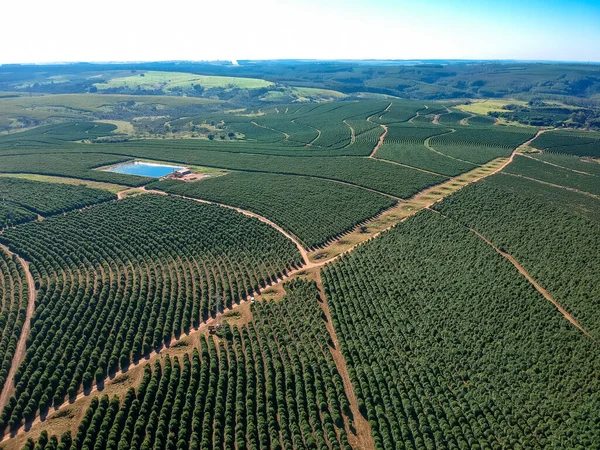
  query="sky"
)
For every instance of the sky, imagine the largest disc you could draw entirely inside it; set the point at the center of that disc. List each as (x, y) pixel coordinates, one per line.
(149, 30)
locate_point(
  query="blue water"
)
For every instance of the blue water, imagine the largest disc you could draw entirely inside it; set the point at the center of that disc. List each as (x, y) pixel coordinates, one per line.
(145, 169)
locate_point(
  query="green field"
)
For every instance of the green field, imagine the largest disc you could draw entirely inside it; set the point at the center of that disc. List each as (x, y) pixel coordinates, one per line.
(314, 210)
(358, 260)
(169, 81)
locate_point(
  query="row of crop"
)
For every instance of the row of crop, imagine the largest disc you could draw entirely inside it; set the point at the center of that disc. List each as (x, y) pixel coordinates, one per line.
(58, 134)
(11, 214)
(419, 156)
(366, 172)
(453, 118)
(13, 309)
(562, 176)
(508, 138)
(50, 198)
(71, 161)
(313, 210)
(411, 134)
(550, 237)
(448, 346)
(582, 165)
(121, 279)
(474, 154)
(400, 111)
(578, 144)
(266, 385)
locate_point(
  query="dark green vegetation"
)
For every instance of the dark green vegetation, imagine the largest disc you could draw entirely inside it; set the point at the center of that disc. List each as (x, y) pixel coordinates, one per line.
(449, 347)
(449, 151)
(269, 384)
(313, 210)
(553, 233)
(13, 309)
(583, 165)
(445, 344)
(69, 164)
(410, 145)
(11, 214)
(122, 278)
(480, 121)
(480, 145)
(541, 114)
(324, 153)
(58, 134)
(408, 79)
(577, 144)
(49, 198)
(531, 168)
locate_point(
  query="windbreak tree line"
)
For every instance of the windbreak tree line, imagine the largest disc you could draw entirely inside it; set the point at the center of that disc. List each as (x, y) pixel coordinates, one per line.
(13, 309)
(270, 384)
(121, 279)
(448, 346)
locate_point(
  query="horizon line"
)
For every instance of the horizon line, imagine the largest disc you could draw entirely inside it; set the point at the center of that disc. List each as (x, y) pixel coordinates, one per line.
(234, 62)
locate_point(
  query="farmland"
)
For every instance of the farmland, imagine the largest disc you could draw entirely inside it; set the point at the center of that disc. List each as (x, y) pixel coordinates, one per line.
(171, 284)
(343, 268)
(437, 360)
(314, 210)
(14, 293)
(49, 198)
(269, 384)
(564, 239)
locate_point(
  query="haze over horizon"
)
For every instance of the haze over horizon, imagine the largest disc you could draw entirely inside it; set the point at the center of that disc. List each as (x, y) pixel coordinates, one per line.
(555, 30)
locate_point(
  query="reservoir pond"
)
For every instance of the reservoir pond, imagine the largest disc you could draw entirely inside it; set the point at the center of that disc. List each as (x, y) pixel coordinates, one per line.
(145, 169)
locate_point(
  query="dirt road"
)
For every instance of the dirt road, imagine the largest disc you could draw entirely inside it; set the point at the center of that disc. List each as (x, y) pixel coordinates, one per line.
(9, 385)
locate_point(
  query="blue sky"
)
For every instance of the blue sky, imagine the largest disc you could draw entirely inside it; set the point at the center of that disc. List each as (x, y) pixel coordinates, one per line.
(133, 30)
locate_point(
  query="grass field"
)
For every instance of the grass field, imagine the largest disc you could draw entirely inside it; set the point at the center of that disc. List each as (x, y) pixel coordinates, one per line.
(483, 107)
(25, 111)
(169, 81)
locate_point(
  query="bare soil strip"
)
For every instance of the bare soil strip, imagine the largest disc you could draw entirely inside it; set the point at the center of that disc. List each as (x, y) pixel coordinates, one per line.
(272, 129)
(524, 272)
(363, 438)
(384, 111)
(9, 385)
(315, 139)
(380, 141)
(465, 121)
(352, 132)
